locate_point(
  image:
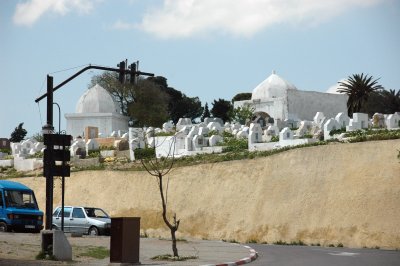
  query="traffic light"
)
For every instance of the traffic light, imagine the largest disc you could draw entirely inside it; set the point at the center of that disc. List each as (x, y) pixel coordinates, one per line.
(132, 67)
(121, 76)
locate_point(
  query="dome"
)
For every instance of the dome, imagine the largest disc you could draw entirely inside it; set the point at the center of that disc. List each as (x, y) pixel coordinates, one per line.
(334, 88)
(274, 86)
(97, 100)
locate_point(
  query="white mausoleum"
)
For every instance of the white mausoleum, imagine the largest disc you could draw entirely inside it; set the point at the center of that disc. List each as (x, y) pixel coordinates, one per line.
(282, 100)
(96, 108)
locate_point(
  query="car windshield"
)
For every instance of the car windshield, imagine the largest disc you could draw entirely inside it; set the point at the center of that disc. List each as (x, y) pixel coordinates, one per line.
(96, 213)
(20, 199)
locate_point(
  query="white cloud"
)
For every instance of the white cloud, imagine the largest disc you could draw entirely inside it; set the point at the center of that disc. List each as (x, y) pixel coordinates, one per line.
(184, 18)
(28, 12)
(121, 25)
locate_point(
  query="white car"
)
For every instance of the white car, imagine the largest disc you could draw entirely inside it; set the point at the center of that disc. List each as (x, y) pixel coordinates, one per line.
(84, 220)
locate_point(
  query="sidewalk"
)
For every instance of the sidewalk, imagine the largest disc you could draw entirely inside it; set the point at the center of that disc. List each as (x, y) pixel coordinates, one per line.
(208, 252)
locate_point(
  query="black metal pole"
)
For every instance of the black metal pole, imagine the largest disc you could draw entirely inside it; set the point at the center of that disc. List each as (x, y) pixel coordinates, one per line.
(49, 176)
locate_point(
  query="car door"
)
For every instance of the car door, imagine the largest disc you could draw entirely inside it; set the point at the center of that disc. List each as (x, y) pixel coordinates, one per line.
(67, 216)
(57, 218)
(78, 223)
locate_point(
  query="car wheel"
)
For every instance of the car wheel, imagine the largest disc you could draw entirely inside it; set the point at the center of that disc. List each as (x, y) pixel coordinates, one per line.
(93, 231)
(3, 227)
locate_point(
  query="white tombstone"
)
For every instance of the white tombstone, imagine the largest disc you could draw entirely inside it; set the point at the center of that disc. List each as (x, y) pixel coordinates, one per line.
(135, 132)
(304, 128)
(78, 144)
(378, 120)
(114, 134)
(203, 131)
(125, 136)
(193, 131)
(393, 121)
(189, 143)
(150, 132)
(286, 134)
(359, 121)
(182, 122)
(39, 146)
(255, 133)
(185, 130)
(343, 120)
(330, 124)
(199, 141)
(235, 126)
(214, 126)
(318, 118)
(214, 140)
(208, 120)
(92, 145)
(168, 127)
(242, 134)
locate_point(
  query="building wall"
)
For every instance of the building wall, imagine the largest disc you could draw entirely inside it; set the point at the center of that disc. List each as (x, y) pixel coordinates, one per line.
(274, 107)
(303, 105)
(106, 122)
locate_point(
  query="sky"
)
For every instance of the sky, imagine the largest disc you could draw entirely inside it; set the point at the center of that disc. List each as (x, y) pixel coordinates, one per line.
(209, 49)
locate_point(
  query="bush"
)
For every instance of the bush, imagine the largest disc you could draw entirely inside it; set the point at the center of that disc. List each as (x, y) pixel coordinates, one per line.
(38, 154)
(337, 131)
(275, 139)
(145, 153)
(7, 151)
(94, 154)
(104, 147)
(235, 145)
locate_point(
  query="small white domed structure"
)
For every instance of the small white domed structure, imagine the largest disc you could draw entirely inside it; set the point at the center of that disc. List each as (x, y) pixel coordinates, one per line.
(96, 108)
(334, 89)
(97, 100)
(281, 100)
(273, 87)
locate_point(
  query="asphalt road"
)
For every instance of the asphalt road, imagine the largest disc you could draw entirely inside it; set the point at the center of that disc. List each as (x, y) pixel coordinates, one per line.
(272, 255)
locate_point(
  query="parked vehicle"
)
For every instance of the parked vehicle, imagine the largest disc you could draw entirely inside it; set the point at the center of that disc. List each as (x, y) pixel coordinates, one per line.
(84, 220)
(18, 208)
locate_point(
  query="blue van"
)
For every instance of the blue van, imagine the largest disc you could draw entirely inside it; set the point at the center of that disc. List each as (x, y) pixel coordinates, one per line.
(18, 208)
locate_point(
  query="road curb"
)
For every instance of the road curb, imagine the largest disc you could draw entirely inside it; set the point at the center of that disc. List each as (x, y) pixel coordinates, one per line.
(252, 257)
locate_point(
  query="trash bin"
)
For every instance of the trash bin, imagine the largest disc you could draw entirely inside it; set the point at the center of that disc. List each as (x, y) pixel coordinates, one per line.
(125, 240)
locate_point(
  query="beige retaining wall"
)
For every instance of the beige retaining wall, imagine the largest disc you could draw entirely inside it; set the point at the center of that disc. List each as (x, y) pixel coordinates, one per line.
(339, 193)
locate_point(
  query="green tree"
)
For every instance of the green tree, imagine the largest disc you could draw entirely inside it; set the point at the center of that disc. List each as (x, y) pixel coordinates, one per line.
(150, 107)
(179, 105)
(18, 134)
(222, 109)
(206, 113)
(391, 100)
(243, 114)
(358, 88)
(241, 96)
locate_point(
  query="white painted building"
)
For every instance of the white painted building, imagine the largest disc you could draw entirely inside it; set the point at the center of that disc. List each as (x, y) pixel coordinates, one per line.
(282, 100)
(96, 108)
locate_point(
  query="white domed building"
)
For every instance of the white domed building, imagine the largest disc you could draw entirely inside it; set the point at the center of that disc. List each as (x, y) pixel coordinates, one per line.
(281, 100)
(96, 108)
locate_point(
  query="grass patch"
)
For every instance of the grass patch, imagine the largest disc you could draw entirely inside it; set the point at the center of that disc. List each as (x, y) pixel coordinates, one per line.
(230, 240)
(96, 252)
(169, 257)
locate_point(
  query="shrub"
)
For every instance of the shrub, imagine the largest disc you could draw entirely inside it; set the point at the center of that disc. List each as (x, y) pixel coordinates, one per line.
(104, 147)
(235, 145)
(94, 154)
(6, 151)
(145, 153)
(38, 154)
(275, 139)
(337, 131)
(164, 134)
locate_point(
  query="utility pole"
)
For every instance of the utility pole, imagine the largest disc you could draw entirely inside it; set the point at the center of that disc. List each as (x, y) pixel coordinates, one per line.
(56, 144)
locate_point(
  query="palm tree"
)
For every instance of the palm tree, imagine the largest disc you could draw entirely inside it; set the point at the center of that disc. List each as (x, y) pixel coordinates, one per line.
(358, 88)
(392, 101)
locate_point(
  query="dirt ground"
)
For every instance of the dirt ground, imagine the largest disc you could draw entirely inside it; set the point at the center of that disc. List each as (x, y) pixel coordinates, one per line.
(11, 247)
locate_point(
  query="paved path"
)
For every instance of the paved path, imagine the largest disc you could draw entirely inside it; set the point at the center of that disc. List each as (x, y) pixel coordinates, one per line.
(271, 255)
(21, 249)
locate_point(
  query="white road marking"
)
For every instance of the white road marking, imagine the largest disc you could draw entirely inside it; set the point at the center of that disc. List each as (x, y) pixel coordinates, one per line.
(348, 254)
